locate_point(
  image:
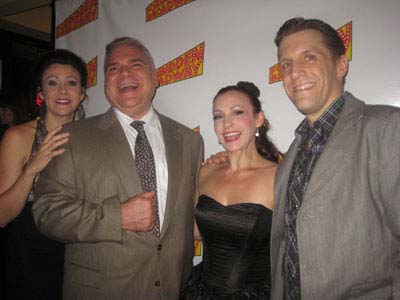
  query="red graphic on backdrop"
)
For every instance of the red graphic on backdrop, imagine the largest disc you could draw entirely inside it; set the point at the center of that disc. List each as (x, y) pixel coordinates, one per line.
(86, 13)
(185, 66)
(91, 67)
(346, 34)
(275, 74)
(158, 8)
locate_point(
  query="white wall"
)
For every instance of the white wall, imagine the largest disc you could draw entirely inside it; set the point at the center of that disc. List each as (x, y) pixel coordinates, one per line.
(238, 38)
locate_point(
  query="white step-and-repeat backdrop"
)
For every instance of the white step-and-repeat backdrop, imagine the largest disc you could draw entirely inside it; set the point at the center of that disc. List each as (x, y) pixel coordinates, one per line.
(200, 46)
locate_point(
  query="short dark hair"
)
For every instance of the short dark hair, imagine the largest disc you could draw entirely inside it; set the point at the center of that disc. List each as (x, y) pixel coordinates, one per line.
(126, 40)
(63, 57)
(264, 146)
(330, 36)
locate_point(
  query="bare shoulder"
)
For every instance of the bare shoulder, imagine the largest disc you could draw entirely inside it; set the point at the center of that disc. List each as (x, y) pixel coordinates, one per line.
(18, 139)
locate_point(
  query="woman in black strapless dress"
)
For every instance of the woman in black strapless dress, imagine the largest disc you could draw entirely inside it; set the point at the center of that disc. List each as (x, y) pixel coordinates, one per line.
(235, 201)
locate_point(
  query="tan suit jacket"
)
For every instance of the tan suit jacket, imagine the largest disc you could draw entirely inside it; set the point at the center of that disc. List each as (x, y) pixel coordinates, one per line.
(348, 226)
(78, 202)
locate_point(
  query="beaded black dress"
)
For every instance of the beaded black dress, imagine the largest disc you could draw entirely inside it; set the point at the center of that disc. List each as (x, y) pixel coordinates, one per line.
(35, 263)
(236, 262)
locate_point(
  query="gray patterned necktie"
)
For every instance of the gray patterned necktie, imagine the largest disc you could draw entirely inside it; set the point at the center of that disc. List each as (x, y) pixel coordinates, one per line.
(145, 165)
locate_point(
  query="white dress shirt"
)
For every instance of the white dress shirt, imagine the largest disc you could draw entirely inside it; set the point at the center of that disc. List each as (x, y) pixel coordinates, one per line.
(153, 130)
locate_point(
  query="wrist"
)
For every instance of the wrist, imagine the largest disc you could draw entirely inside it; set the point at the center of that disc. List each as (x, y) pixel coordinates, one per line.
(29, 171)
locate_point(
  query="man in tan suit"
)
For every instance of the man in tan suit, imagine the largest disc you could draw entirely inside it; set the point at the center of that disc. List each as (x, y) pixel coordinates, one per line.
(123, 241)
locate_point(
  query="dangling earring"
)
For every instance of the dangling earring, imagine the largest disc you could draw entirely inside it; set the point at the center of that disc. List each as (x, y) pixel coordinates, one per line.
(257, 132)
(38, 101)
(79, 113)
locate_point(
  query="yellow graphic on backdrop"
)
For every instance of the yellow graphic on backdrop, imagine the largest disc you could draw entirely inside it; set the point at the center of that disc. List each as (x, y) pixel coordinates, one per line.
(274, 74)
(185, 66)
(87, 12)
(346, 34)
(91, 67)
(197, 248)
(158, 8)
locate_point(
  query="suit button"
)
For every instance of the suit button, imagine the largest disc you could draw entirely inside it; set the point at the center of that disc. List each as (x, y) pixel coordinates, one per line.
(157, 283)
(159, 247)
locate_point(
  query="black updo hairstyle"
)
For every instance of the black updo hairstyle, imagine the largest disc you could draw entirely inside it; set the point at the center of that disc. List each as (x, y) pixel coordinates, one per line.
(263, 144)
(58, 56)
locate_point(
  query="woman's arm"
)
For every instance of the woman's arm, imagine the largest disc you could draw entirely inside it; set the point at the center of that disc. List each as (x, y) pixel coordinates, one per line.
(15, 179)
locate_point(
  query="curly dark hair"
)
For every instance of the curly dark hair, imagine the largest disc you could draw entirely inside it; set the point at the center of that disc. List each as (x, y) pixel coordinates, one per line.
(63, 57)
(263, 144)
(330, 36)
(58, 56)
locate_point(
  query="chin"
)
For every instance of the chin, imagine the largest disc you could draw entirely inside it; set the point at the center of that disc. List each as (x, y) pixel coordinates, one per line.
(232, 148)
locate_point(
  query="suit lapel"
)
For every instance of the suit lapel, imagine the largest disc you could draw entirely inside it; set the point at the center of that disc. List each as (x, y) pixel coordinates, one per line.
(174, 154)
(337, 148)
(117, 146)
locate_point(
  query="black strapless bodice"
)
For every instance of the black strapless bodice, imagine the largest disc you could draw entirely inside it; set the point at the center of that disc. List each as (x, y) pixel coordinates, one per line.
(236, 251)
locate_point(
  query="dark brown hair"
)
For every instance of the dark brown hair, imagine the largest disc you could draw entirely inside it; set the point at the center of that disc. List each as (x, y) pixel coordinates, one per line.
(330, 36)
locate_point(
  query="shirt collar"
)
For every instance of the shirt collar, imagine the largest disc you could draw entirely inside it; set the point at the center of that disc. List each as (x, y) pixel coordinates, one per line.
(150, 118)
(319, 132)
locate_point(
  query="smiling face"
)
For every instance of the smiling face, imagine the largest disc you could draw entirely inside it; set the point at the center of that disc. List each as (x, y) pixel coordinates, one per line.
(235, 122)
(61, 90)
(131, 81)
(312, 78)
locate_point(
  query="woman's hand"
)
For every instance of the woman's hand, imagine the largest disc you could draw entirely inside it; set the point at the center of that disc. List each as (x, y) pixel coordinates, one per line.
(47, 150)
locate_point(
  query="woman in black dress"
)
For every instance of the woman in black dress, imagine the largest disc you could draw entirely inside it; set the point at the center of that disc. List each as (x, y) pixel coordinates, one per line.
(35, 262)
(235, 201)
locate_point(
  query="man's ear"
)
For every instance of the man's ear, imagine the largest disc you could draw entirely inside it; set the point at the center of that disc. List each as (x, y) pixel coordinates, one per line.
(342, 66)
(155, 79)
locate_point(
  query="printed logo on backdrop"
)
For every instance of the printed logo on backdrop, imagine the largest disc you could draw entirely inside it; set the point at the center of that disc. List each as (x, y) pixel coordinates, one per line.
(158, 8)
(188, 65)
(197, 248)
(346, 34)
(91, 68)
(87, 12)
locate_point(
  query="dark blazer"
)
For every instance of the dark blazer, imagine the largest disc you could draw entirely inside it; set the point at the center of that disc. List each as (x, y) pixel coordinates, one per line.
(348, 226)
(78, 202)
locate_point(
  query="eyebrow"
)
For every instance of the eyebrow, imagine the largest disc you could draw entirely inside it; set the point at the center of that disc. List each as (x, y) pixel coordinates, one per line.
(55, 76)
(280, 58)
(230, 108)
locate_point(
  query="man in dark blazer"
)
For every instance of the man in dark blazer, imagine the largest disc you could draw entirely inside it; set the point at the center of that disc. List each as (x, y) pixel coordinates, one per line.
(336, 223)
(91, 197)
